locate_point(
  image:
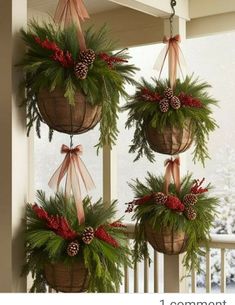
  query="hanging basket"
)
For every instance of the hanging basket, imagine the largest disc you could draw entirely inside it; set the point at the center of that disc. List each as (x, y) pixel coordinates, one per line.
(167, 240)
(67, 278)
(59, 115)
(171, 140)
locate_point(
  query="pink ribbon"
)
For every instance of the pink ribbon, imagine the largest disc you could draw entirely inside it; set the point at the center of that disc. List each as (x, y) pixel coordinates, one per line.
(72, 11)
(172, 170)
(173, 52)
(72, 166)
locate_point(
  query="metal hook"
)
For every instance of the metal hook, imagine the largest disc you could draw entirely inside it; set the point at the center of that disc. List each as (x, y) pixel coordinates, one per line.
(173, 4)
(71, 141)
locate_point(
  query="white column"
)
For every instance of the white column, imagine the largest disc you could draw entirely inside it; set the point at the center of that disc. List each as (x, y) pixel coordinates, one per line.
(109, 174)
(173, 269)
(14, 148)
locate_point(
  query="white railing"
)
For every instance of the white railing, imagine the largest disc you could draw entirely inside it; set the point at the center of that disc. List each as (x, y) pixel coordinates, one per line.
(169, 277)
(165, 273)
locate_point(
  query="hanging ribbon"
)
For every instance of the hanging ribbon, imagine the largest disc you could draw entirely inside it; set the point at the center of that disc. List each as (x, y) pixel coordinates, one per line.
(172, 170)
(72, 167)
(72, 11)
(175, 57)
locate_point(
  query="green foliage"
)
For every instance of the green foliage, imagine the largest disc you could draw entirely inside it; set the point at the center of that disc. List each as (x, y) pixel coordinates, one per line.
(103, 261)
(159, 216)
(103, 85)
(143, 113)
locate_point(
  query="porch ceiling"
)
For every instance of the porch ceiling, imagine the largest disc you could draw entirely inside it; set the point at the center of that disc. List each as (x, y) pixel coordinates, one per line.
(93, 6)
(188, 9)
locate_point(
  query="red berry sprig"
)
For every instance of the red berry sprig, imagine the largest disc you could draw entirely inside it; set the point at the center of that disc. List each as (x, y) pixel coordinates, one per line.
(111, 60)
(189, 101)
(138, 201)
(196, 187)
(63, 57)
(174, 203)
(102, 234)
(56, 223)
(148, 95)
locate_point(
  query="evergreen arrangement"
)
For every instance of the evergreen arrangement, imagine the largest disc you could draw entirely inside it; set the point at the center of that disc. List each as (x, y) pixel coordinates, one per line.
(53, 235)
(53, 59)
(191, 210)
(155, 104)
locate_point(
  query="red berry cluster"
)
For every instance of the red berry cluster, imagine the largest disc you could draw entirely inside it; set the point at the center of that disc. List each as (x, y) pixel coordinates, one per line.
(173, 203)
(187, 100)
(111, 60)
(56, 223)
(196, 187)
(117, 224)
(102, 234)
(147, 95)
(63, 57)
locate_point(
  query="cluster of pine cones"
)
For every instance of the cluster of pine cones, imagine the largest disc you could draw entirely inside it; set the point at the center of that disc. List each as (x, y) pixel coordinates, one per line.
(169, 100)
(87, 237)
(189, 202)
(86, 57)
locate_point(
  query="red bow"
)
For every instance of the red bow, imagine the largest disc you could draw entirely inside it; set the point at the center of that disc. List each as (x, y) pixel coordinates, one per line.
(72, 166)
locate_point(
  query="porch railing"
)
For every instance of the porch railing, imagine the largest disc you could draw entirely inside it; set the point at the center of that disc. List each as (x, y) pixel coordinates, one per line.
(166, 273)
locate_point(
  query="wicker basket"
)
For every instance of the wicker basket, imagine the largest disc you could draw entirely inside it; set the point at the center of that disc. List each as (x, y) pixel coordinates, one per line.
(171, 140)
(65, 278)
(166, 241)
(59, 115)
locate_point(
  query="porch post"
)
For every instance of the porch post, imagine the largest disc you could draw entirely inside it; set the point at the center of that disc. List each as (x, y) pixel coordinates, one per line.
(109, 174)
(14, 148)
(173, 268)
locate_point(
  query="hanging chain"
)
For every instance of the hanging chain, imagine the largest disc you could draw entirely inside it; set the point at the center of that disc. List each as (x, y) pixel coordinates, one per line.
(71, 141)
(173, 4)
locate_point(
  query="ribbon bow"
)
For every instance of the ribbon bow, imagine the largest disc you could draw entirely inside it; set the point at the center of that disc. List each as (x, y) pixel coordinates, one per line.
(72, 166)
(72, 11)
(172, 170)
(174, 53)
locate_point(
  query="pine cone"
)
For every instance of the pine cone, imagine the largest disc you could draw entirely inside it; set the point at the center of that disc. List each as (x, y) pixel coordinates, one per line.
(175, 103)
(160, 198)
(73, 248)
(88, 235)
(81, 70)
(164, 105)
(190, 213)
(87, 56)
(190, 200)
(168, 93)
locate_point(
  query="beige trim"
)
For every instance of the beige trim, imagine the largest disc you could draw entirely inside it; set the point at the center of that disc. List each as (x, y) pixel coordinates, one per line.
(202, 8)
(211, 25)
(14, 148)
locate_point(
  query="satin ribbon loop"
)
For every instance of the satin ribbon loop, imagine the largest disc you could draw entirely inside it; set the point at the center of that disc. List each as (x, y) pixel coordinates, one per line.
(172, 170)
(72, 168)
(175, 57)
(69, 12)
